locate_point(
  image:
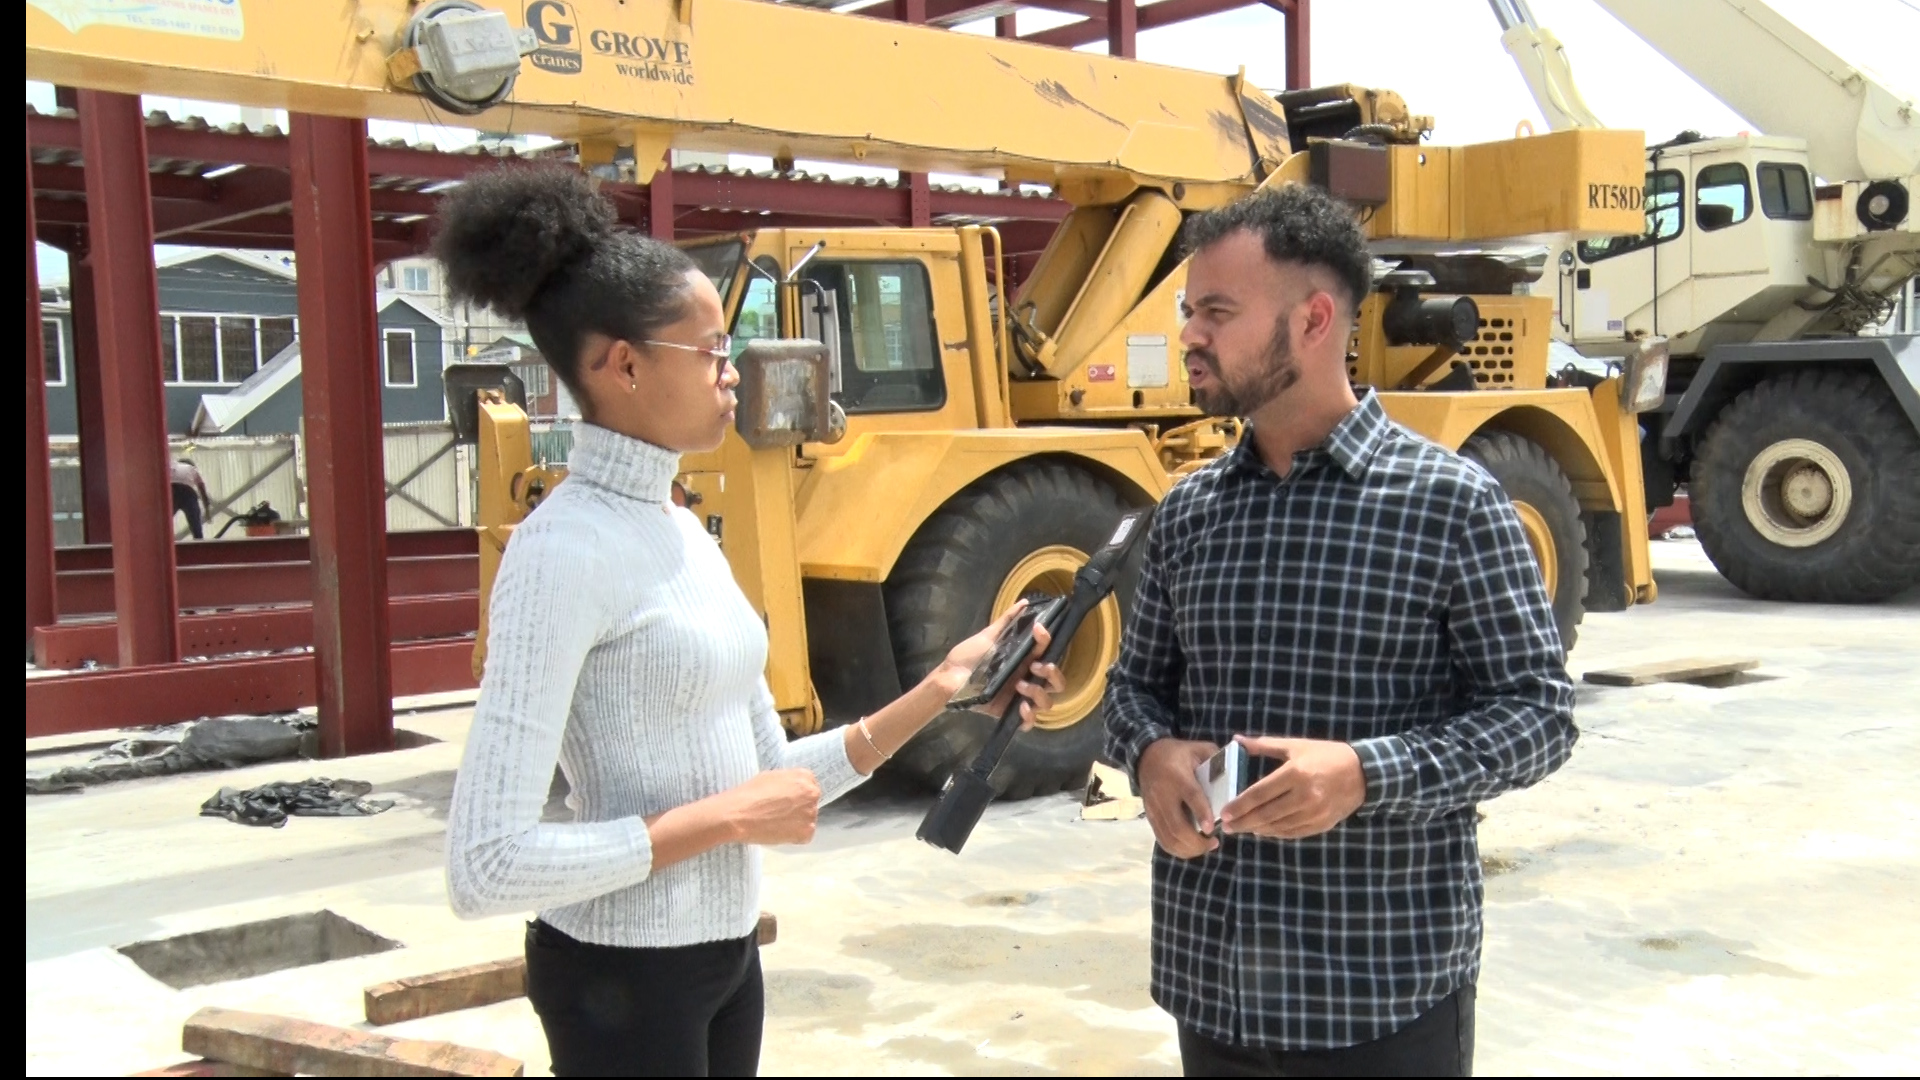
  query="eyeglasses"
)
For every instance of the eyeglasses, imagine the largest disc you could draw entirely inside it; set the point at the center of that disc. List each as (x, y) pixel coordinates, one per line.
(720, 352)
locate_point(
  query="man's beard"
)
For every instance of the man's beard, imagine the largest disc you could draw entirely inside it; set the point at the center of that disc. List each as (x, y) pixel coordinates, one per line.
(1274, 375)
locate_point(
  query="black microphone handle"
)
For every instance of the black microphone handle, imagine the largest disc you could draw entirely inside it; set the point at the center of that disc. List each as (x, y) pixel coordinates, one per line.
(1009, 725)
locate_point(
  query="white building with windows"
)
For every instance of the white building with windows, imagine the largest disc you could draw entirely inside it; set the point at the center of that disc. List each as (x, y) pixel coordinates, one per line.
(423, 283)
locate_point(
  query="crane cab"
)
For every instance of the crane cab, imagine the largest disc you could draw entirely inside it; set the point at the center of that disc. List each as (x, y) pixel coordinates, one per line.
(1729, 229)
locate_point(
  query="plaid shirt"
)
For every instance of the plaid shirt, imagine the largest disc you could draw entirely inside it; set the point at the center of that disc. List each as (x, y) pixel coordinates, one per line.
(1382, 594)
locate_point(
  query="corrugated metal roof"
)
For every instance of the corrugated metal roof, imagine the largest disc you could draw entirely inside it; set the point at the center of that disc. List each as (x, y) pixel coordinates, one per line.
(199, 169)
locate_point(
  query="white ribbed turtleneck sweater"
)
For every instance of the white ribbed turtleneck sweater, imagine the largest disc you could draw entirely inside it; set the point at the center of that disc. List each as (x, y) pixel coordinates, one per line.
(619, 646)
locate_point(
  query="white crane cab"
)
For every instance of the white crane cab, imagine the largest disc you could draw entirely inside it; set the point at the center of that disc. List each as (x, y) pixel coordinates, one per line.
(1726, 251)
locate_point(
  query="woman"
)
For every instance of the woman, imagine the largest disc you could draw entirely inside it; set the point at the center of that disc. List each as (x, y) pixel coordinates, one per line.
(620, 647)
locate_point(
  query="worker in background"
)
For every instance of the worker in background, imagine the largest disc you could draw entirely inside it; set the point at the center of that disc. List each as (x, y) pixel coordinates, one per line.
(621, 647)
(1359, 609)
(190, 496)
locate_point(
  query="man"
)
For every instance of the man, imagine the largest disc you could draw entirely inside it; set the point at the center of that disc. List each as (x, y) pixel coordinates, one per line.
(190, 495)
(1359, 608)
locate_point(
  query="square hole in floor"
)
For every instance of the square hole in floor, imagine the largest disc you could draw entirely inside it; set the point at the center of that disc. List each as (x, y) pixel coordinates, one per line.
(255, 948)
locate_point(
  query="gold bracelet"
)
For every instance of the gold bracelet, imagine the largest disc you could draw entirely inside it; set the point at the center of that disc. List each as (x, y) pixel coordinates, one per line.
(868, 735)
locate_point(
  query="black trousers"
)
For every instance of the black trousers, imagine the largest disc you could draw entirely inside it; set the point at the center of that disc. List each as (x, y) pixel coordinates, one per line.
(1439, 1043)
(691, 1010)
(187, 501)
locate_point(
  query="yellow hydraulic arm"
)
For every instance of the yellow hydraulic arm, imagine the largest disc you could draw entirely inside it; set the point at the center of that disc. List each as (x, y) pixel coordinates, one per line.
(721, 75)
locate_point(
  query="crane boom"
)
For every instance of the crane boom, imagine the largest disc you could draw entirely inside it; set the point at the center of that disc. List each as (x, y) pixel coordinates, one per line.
(1784, 82)
(1543, 63)
(718, 75)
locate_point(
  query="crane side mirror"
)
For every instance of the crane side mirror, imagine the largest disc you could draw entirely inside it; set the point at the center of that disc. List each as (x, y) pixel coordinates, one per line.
(784, 394)
(463, 384)
(1643, 382)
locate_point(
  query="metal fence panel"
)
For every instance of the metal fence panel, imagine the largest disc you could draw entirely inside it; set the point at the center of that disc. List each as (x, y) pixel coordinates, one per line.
(242, 472)
(551, 442)
(424, 477)
(429, 481)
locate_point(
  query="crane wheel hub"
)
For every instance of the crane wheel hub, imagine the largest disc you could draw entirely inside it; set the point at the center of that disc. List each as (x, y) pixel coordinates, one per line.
(1796, 493)
(1540, 539)
(1084, 669)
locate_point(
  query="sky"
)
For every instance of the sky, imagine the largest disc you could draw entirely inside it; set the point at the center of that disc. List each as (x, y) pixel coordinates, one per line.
(1443, 56)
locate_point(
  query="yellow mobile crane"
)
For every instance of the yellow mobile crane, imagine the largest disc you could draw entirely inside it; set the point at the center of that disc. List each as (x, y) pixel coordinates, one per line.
(954, 449)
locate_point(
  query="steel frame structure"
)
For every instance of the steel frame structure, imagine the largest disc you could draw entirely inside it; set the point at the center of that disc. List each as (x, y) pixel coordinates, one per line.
(382, 614)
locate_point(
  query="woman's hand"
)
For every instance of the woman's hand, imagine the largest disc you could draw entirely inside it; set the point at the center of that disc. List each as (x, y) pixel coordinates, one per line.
(780, 806)
(1042, 682)
(878, 736)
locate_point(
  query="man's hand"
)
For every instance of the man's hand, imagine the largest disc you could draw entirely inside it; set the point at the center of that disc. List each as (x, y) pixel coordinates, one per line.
(1173, 797)
(1319, 785)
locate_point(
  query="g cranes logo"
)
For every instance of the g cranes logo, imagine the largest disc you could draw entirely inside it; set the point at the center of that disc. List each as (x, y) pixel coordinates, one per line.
(557, 30)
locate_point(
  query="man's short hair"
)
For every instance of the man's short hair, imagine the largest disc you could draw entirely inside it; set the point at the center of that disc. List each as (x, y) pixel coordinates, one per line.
(1296, 224)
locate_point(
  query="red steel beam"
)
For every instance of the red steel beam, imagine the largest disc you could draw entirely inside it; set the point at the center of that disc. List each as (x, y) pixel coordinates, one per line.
(418, 544)
(1123, 28)
(692, 189)
(279, 227)
(267, 151)
(242, 195)
(264, 223)
(384, 251)
(957, 12)
(68, 238)
(167, 693)
(120, 232)
(853, 202)
(661, 209)
(36, 486)
(277, 629)
(340, 390)
(72, 179)
(90, 592)
(1299, 42)
(805, 203)
(919, 192)
(1151, 16)
(196, 211)
(1024, 236)
(172, 187)
(392, 240)
(694, 194)
(90, 407)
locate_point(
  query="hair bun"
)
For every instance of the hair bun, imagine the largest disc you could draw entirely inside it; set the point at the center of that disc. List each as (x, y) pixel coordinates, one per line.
(505, 233)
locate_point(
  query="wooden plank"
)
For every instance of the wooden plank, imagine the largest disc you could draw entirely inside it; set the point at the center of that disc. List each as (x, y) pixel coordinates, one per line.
(1669, 671)
(446, 991)
(473, 986)
(285, 1045)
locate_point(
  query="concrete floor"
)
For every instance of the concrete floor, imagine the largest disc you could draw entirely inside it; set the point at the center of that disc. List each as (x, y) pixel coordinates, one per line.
(1723, 880)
